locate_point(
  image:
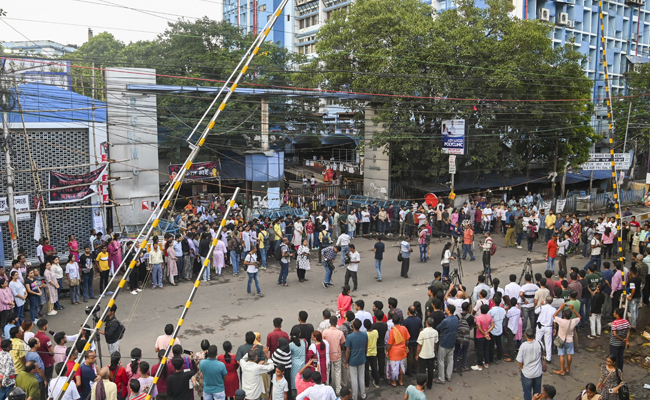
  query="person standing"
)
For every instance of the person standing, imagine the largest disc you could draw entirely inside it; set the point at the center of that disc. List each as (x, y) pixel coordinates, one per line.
(379, 255)
(566, 331)
(413, 325)
(303, 261)
(156, 262)
(353, 267)
(72, 272)
(530, 365)
(425, 353)
(596, 247)
(611, 379)
(214, 376)
(344, 243)
(634, 297)
(113, 331)
(551, 253)
(336, 339)
(619, 337)
(396, 348)
(329, 255)
(447, 330)
(87, 272)
(250, 261)
(487, 252)
(28, 382)
(284, 262)
(406, 250)
(356, 344)
(545, 324)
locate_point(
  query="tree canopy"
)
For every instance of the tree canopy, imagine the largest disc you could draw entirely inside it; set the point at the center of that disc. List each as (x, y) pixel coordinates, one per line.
(207, 52)
(499, 73)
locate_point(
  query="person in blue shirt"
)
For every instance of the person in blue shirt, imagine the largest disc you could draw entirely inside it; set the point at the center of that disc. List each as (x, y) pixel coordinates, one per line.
(88, 373)
(214, 375)
(447, 330)
(12, 320)
(356, 344)
(607, 280)
(32, 355)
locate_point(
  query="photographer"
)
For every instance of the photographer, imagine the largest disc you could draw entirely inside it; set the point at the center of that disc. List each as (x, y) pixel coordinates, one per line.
(113, 332)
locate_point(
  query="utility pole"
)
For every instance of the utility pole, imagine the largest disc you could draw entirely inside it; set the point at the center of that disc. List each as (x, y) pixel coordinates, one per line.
(557, 146)
(265, 124)
(566, 166)
(13, 225)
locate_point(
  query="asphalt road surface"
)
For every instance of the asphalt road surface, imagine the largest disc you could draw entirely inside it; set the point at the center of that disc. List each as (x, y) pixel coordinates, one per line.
(222, 310)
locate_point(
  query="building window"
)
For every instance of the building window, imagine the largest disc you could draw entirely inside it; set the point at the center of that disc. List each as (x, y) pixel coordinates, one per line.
(314, 20)
(328, 15)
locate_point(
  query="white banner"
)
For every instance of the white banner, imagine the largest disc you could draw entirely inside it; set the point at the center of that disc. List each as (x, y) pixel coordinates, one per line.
(21, 203)
(547, 206)
(559, 206)
(603, 162)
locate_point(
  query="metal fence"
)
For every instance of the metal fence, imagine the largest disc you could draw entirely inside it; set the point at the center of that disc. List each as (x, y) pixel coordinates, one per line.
(598, 201)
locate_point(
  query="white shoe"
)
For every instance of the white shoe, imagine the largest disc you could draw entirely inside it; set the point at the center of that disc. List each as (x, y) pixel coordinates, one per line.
(52, 313)
(477, 368)
(135, 292)
(519, 247)
(138, 290)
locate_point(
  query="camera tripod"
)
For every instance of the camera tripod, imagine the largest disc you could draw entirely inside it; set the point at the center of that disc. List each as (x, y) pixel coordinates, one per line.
(528, 269)
(97, 337)
(454, 278)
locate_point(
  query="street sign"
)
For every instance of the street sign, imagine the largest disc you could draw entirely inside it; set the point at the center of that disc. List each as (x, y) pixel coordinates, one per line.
(602, 162)
(452, 164)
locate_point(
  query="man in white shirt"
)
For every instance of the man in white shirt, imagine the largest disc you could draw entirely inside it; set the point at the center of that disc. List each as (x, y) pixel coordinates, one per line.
(512, 289)
(39, 250)
(545, 325)
(353, 267)
(527, 295)
(513, 314)
(317, 392)
(562, 246)
(344, 242)
(361, 314)
(487, 248)
(250, 261)
(426, 353)
(456, 296)
(93, 233)
(252, 372)
(402, 221)
(481, 286)
(55, 386)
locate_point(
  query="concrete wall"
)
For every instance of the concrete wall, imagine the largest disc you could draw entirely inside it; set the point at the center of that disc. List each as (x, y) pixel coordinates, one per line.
(133, 135)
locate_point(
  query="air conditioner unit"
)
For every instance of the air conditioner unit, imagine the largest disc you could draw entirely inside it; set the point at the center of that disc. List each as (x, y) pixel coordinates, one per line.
(544, 14)
(563, 19)
(634, 2)
(571, 24)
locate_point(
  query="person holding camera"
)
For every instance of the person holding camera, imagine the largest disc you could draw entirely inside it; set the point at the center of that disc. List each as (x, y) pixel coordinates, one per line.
(113, 332)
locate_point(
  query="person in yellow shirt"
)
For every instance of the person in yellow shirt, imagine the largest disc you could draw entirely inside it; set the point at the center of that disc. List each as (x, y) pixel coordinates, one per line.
(261, 236)
(17, 351)
(102, 265)
(371, 354)
(549, 222)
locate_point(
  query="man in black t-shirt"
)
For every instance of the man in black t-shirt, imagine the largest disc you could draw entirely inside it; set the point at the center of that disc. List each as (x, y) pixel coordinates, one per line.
(87, 273)
(381, 328)
(379, 256)
(178, 383)
(305, 329)
(635, 295)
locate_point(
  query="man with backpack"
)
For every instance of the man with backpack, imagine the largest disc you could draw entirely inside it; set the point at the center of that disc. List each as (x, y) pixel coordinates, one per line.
(465, 325)
(114, 331)
(263, 243)
(489, 248)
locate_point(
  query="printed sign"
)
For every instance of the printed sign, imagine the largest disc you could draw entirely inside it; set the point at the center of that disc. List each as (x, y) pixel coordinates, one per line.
(21, 203)
(145, 206)
(603, 162)
(66, 194)
(453, 136)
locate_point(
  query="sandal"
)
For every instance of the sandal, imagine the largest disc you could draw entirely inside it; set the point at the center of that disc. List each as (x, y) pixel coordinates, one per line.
(560, 373)
(508, 360)
(438, 381)
(286, 284)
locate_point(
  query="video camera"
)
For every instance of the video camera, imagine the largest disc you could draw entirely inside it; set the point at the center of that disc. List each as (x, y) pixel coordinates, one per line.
(96, 312)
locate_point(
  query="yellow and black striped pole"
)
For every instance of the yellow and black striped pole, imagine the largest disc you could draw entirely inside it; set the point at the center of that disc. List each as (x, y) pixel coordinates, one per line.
(610, 117)
(195, 288)
(174, 186)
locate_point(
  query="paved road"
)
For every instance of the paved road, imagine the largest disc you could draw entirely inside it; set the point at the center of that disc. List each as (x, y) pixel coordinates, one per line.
(223, 311)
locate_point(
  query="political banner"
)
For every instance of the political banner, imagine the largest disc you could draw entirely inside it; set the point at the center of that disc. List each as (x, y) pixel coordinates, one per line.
(61, 192)
(603, 162)
(198, 171)
(453, 136)
(21, 204)
(559, 206)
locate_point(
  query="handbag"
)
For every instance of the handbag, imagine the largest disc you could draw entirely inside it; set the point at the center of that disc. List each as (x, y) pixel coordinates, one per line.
(330, 265)
(624, 391)
(399, 257)
(74, 282)
(543, 358)
(559, 342)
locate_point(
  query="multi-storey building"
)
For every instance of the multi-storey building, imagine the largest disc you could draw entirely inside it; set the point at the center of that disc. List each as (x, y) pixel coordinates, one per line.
(252, 15)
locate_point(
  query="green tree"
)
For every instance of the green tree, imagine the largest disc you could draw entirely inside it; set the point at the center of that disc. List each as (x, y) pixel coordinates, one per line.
(639, 126)
(478, 64)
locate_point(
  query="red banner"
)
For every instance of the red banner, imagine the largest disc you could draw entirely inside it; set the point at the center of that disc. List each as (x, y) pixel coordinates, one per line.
(203, 171)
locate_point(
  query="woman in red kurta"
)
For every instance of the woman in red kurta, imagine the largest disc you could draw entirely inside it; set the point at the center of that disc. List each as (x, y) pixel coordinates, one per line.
(232, 381)
(117, 375)
(344, 304)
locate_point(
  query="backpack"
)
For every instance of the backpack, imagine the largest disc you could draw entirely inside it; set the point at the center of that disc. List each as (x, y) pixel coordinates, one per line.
(278, 253)
(585, 236)
(462, 335)
(239, 248)
(267, 239)
(530, 233)
(493, 248)
(325, 241)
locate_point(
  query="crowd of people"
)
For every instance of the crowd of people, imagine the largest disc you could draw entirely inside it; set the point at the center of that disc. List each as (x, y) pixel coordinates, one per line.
(352, 349)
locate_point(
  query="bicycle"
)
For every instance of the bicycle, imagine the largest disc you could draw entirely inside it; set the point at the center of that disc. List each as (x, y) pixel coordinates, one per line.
(528, 269)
